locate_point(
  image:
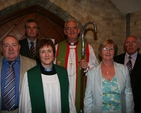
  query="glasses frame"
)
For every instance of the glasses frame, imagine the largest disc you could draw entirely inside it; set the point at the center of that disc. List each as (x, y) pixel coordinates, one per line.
(107, 49)
(129, 43)
(71, 28)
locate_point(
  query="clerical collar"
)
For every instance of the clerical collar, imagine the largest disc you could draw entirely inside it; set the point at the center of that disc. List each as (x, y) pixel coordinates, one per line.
(44, 71)
(48, 70)
(72, 44)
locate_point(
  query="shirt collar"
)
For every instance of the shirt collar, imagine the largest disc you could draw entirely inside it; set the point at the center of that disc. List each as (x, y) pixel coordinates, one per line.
(30, 41)
(4, 61)
(47, 70)
(134, 56)
(72, 44)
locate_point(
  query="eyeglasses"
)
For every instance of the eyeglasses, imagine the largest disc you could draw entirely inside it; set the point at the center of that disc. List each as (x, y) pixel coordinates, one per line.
(133, 42)
(71, 28)
(106, 49)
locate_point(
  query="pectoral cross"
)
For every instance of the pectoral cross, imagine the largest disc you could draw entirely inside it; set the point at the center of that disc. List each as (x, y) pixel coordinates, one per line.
(71, 63)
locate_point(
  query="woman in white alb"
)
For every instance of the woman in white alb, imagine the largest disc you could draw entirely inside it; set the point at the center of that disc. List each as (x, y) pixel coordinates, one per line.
(45, 87)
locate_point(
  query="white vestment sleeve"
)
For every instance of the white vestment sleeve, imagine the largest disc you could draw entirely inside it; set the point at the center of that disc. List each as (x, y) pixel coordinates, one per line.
(25, 104)
(93, 62)
(71, 102)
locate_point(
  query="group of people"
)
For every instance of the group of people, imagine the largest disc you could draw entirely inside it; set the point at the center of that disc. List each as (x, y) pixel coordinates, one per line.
(48, 79)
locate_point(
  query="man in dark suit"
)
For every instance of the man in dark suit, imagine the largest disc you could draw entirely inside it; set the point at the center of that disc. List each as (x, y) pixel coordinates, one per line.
(132, 46)
(31, 32)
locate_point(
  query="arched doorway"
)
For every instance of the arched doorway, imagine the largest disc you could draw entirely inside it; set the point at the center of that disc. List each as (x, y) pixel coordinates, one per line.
(51, 26)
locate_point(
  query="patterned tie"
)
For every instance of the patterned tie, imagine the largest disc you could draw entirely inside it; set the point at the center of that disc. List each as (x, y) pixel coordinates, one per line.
(129, 65)
(32, 50)
(9, 89)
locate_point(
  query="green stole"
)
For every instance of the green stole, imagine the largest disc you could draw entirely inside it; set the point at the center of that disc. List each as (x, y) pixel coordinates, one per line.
(62, 58)
(36, 89)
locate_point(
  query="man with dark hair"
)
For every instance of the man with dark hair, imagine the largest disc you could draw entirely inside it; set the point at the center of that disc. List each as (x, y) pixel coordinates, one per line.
(28, 45)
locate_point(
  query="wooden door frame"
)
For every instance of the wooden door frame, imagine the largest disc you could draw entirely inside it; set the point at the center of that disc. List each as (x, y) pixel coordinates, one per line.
(34, 8)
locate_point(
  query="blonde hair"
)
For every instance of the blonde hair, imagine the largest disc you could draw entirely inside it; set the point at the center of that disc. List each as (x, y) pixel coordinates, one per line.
(105, 43)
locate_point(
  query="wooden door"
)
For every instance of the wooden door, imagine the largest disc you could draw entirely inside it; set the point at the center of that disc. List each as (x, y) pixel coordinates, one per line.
(51, 26)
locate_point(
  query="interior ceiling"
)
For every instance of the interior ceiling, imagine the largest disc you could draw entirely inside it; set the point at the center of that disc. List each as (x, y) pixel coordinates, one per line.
(127, 6)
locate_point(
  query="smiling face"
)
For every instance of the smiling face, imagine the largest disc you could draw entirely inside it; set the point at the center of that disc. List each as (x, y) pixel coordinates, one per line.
(10, 48)
(131, 45)
(46, 55)
(107, 52)
(71, 30)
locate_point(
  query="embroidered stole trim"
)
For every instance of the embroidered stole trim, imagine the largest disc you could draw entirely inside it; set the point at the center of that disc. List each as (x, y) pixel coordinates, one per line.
(62, 60)
(36, 90)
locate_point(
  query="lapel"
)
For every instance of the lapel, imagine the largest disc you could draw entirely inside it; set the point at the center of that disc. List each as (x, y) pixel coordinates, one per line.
(97, 78)
(99, 73)
(119, 75)
(137, 62)
(24, 47)
(22, 69)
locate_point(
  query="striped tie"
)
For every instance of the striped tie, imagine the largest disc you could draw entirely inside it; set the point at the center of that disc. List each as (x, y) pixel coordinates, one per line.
(32, 50)
(129, 65)
(9, 89)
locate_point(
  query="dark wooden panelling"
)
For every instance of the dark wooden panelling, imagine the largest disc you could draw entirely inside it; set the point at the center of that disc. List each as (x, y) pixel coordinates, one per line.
(51, 26)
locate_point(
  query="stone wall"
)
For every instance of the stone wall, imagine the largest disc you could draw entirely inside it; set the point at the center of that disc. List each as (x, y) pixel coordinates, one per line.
(110, 22)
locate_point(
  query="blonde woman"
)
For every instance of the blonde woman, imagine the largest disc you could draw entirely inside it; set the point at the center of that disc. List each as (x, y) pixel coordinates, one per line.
(108, 87)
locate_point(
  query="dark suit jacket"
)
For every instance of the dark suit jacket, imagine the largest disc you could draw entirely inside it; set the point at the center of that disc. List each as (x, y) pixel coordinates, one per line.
(135, 80)
(25, 49)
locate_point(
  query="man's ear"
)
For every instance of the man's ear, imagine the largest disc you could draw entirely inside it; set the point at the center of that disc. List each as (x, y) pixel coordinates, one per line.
(78, 30)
